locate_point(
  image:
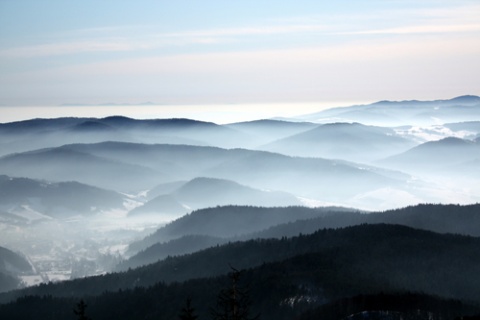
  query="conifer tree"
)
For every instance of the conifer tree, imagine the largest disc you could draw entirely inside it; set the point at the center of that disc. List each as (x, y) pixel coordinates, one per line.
(79, 311)
(233, 303)
(188, 312)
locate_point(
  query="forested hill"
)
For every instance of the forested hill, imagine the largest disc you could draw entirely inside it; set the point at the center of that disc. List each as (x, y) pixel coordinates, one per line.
(208, 227)
(326, 265)
(11, 266)
(228, 221)
(455, 219)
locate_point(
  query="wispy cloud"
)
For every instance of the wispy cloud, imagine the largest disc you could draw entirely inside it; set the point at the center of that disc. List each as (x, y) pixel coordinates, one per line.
(249, 31)
(100, 39)
(418, 29)
(75, 47)
(140, 38)
(418, 65)
(317, 56)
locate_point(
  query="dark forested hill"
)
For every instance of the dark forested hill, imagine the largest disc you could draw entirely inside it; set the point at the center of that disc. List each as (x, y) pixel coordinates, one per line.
(455, 219)
(399, 306)
(11, 266)
(286, 276)
(161, 250)
(229, 221)
(191, 234)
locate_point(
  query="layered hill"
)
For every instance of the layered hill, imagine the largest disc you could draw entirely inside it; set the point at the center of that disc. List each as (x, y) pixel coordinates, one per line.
(470, 127)
(298, 262)
(228, 221)
(190, 235)
(349, 141)
(67, 164)
(324, 267)
(11, 266)
(47, 133)
(208, 192)
(131, 167)
(268, 130)
(31, 199)
(397, 113)
(442, 154)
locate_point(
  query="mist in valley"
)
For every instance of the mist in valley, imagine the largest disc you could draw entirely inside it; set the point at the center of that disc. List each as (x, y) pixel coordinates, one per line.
(101, 183)
(239, 160)
(83, 197)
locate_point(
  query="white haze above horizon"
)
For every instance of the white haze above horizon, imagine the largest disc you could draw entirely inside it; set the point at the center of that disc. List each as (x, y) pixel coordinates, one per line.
(217, 113)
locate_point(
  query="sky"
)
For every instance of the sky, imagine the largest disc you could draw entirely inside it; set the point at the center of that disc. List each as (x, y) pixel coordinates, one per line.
(231, 53)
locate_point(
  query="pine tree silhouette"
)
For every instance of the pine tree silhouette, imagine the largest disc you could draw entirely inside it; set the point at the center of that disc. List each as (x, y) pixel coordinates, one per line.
(80, 311)
(188, 312)
(233, 303)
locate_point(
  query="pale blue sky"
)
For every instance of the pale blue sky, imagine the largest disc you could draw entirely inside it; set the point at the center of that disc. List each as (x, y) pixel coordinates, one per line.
(206, 52)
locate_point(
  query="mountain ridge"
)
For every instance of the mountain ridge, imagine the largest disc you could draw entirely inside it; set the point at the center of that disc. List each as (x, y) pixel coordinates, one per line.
(397, 113)
(56, 199)
(329, 265)
(453, 219)
(348, 141)
(12, 265)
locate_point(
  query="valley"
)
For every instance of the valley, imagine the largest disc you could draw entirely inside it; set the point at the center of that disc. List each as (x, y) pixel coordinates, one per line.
(239, 160)
(100, 208)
